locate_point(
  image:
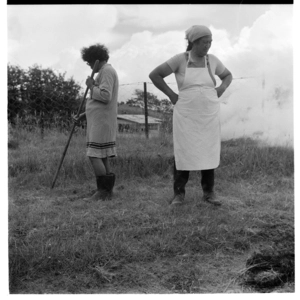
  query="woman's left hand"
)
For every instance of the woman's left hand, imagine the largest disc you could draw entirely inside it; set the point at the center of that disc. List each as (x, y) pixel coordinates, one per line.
(89, 82)
(220, 90)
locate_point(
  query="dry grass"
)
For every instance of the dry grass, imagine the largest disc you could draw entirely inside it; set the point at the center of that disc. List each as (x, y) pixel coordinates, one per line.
(135, 243)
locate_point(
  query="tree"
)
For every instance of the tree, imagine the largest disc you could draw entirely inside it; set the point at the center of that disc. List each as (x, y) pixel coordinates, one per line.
(153, 102)
(41, 97)
(15, 78)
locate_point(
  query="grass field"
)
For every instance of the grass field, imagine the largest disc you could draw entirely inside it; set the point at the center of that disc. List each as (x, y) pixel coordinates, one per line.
(59, 243)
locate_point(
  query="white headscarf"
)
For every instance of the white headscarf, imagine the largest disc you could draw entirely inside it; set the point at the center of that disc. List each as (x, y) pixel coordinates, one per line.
(197, 31)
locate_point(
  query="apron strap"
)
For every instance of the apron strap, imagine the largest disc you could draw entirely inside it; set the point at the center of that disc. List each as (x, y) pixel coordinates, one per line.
(208, 67)
(209, 71)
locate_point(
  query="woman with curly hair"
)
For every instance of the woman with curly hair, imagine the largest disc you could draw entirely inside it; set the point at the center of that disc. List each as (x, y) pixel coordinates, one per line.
(101, 115)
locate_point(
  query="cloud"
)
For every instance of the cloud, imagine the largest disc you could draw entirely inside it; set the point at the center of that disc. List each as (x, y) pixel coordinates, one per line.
(145, 50)
(67, 60)
(155, 16)
(273, 30)
(45, 31)
(262, 105)
(158, 18)
(13, 47)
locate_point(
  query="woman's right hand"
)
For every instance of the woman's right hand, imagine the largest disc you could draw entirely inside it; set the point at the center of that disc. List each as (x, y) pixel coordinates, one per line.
(174, 98)
(90, 82)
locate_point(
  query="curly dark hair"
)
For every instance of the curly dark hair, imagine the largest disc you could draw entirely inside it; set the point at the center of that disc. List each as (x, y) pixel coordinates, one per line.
(92, 53)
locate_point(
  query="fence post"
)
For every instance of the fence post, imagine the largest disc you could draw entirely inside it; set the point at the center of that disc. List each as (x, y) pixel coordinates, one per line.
(146, 110)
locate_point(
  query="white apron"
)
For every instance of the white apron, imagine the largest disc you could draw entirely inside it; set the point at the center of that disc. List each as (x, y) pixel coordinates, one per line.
(196, 122)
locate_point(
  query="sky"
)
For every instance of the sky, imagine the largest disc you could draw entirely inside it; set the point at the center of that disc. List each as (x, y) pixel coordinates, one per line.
(255, 42)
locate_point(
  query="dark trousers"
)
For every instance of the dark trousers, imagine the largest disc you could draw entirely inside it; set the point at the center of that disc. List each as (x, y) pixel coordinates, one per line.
(180, 179)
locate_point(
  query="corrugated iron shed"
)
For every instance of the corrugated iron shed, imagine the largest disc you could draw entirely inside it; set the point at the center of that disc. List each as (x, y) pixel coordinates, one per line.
(140, 119)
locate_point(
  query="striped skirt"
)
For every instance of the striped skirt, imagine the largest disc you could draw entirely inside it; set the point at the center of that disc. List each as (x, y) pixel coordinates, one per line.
(101, 150)
(101, 131)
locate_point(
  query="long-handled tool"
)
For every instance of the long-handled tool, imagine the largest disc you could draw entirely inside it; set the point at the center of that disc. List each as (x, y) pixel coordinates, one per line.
(78, 113)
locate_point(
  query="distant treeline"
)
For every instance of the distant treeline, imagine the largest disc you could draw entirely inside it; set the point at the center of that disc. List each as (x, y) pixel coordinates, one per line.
(40, 97)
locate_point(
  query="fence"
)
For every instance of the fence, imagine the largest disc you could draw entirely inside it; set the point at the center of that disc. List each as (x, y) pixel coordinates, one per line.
(40, 108)
(51, 105)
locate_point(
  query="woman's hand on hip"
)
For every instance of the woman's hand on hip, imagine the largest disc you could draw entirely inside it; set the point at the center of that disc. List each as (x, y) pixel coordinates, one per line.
(220, 90)
(174, 98)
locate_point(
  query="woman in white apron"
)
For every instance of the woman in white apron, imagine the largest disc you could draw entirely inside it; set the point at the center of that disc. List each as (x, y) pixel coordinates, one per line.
(196, 115)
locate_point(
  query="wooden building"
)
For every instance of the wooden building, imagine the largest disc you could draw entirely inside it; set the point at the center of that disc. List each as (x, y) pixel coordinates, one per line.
(136, 123)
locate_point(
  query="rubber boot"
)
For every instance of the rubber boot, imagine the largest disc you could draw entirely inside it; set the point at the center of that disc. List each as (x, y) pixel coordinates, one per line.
(207, 183)
(180, 179)
(105, 186)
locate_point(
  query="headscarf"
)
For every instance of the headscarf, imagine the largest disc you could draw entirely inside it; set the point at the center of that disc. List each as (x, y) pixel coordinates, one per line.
(197, 31)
